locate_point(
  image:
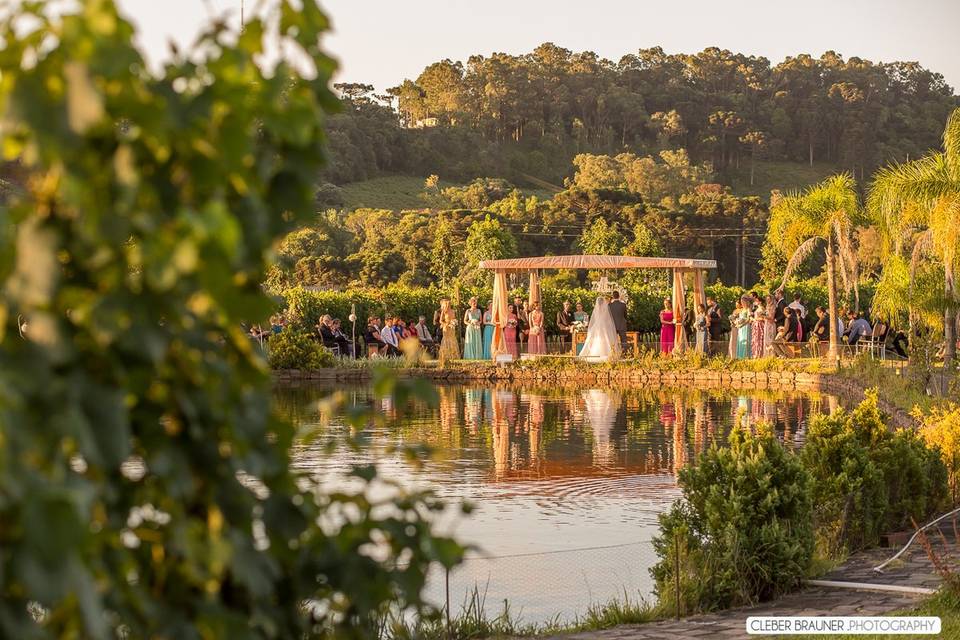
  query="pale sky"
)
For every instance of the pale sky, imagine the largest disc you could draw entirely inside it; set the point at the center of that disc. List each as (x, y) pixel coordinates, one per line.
(381, 42)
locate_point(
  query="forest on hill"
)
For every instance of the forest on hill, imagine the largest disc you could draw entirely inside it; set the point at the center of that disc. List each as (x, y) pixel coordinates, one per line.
(525, 117)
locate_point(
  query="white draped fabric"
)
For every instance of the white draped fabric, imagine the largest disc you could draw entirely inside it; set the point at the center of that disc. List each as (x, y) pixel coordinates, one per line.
(603, 342)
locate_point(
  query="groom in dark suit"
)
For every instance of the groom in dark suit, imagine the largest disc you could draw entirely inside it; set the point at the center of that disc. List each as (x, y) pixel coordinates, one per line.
(618, 311)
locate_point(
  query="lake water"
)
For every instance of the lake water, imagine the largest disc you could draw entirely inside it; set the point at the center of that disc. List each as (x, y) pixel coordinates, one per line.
(566, 483)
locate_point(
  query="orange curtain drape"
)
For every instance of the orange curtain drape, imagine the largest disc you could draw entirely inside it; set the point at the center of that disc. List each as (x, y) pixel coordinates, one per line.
(534, 290)
(699, 292)
(499, 314)
(679, 311)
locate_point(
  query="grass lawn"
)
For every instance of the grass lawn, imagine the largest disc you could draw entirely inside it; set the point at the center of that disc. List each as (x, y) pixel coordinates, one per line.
(784, 176)
(403, 192)
(390, 192)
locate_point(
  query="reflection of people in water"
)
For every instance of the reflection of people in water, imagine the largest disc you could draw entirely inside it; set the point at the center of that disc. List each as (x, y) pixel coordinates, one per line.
(699, 428)
(502, 408)
(679, 435)
(602, 408)
(473, 408)
(536, 424)
(448, 409)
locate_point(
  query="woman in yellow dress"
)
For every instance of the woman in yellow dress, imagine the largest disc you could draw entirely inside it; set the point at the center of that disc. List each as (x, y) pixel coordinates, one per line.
(449, 349)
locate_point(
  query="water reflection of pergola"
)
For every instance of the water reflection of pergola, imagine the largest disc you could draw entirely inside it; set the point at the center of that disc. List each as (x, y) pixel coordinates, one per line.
(680, 267)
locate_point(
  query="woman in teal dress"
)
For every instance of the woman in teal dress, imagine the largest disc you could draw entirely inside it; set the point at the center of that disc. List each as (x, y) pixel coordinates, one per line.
(743, 323)
(473, 338)
(487, 333)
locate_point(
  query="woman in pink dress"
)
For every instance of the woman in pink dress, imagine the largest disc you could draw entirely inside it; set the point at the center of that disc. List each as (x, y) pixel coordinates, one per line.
(757, 335)
(537, 342)
(666, 328)
(510, 333)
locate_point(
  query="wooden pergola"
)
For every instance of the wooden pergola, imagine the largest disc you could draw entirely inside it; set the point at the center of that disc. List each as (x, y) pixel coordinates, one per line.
(680, 267)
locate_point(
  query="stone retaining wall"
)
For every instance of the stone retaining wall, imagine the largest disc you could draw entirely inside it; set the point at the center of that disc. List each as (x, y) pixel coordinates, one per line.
(620, 377)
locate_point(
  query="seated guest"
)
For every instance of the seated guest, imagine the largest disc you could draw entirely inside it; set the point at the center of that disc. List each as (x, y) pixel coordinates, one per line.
(325, 331)
(422, 332)
(343, 342)
(276, 323)
(389, 335)
(859, 328)
(371, 336)
(398, 330)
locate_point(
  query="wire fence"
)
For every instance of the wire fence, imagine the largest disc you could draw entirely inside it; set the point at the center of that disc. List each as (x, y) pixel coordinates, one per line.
(550, 586)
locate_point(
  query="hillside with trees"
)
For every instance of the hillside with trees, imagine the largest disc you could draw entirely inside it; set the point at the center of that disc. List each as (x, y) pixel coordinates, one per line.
(526, 117)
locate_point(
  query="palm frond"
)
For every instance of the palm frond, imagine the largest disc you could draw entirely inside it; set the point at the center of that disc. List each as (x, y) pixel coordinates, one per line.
(951, 144)
(910, 187)
(799, 255)
(922, 246)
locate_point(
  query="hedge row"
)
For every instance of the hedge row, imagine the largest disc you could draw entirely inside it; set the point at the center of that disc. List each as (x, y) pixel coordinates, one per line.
(410, 302)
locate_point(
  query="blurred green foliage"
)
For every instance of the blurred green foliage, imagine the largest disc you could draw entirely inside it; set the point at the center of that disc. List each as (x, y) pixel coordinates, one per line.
(144, 486)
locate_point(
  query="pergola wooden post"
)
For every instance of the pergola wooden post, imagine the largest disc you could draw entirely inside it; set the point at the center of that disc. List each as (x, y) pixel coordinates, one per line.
(532, 266)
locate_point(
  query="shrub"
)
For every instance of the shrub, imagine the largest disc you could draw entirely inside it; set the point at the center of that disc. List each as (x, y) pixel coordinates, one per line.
(867, 479)
(940, 429)
(743, 527)
(292, 349)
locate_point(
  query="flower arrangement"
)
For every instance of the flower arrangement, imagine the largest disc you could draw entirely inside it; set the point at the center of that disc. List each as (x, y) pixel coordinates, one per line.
(578, 327)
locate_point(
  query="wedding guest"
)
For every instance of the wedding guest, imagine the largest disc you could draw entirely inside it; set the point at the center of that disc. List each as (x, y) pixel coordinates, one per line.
(743, 329)
(791, 325)
(667, 327)
(798, 308)
(473, 333)
(859, 328)
(325, 332)
(488, 332)
(371, 336)
(580, 315)
(714, 324)
(389, 337)
(759, 324)
(700, 328)
(537, 343)
(734, 329)
(343, 342)
(781, 304)
(522, 321)
(447, 319)
(565, 321)
(769, 326)
(423, 333)
(510, 332)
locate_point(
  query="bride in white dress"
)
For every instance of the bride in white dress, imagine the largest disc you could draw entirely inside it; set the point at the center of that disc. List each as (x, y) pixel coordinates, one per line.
(603, 342)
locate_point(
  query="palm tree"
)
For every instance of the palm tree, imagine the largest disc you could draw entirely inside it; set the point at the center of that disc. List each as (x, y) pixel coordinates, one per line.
(825, 213)
(925, 194)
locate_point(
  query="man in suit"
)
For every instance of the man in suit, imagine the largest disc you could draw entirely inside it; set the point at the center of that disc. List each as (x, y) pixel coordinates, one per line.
(778, 315)
(564, 322)
(618, 311)
(714, 324)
